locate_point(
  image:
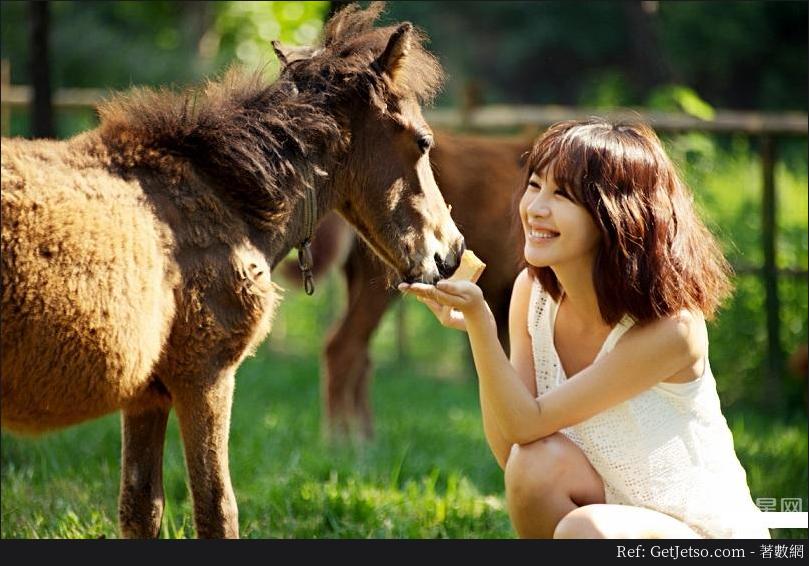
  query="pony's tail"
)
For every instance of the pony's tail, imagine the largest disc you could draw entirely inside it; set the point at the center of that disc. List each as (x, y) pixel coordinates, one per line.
(331, 244)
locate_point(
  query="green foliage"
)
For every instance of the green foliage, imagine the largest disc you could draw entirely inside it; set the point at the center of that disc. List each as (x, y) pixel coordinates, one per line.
(734, 54)
(244, 30)
(725, 176)
(734, 51)
(118, 44)
(679, 98)
(605, 89)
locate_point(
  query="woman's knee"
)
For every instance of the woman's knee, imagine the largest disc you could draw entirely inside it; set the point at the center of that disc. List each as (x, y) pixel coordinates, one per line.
(582, 523)
(532, 468)
(619, 521)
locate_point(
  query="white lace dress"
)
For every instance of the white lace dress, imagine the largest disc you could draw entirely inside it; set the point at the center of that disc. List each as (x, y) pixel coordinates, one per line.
(668, 449)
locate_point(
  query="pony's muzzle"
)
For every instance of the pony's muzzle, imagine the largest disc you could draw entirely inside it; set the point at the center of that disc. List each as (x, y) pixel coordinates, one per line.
(447, 266)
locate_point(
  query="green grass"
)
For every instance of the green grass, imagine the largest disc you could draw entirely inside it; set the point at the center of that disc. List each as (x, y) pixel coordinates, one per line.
(428, 474)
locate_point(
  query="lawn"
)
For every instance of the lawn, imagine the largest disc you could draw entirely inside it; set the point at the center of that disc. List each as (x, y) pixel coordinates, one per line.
(428, 474)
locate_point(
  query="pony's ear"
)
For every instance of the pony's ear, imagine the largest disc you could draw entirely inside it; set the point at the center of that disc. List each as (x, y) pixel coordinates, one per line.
(287, 55)
(398, 47)
(279, 52)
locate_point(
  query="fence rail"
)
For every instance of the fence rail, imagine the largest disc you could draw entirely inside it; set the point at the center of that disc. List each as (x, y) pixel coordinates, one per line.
(767, 127)
(515, 116)
(724, 121)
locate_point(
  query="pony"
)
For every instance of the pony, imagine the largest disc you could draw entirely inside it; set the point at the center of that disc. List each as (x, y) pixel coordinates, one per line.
(137, 257)
(478, 176)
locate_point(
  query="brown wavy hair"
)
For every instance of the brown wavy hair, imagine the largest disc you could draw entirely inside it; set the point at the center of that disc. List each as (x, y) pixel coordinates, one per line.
(656, 256)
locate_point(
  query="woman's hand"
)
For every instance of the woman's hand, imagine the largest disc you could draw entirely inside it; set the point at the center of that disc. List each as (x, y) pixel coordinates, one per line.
(454, 303)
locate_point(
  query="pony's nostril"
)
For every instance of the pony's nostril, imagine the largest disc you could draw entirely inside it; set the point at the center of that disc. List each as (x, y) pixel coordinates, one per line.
(454, 259)
(443, 268)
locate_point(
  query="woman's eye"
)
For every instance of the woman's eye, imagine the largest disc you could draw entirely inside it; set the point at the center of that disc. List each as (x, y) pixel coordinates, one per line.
(562, 193)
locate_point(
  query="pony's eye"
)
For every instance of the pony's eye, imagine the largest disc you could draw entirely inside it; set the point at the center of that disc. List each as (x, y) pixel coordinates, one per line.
(425, 142)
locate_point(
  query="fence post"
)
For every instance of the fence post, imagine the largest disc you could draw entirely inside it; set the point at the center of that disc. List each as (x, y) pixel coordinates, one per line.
(5, 81)
(770, 271)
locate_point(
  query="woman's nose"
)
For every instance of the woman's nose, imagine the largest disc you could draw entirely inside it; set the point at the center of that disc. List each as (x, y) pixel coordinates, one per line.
(538, 207)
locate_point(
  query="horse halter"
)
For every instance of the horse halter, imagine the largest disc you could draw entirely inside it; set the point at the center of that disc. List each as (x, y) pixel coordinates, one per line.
(305, 261)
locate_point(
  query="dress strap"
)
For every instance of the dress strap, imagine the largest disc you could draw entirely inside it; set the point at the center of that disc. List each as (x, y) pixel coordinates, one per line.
(535, 307)
(617, 331)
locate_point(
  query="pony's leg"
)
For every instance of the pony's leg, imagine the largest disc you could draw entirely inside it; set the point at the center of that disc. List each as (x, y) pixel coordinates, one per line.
(203, 412)
(620, 521)
(140, 506)
(347, 360)
(545, 480)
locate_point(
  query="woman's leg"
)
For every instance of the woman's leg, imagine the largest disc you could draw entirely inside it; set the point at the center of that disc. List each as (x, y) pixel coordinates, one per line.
(620, 521)
(545, 481)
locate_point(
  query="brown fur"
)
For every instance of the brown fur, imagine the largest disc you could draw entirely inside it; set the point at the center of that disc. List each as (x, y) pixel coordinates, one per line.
(136, 258)
(477, 176)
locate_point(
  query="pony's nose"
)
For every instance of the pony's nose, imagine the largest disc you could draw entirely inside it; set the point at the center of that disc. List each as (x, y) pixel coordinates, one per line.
(447, 266)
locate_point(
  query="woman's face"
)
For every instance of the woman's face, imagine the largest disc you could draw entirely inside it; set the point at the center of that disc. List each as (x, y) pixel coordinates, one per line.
(557, 230)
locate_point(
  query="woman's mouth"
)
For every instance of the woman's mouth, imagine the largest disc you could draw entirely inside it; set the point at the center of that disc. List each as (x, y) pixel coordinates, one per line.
(541, 236)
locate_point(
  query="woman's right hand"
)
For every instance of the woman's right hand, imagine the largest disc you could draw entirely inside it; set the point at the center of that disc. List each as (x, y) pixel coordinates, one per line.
(447, 316)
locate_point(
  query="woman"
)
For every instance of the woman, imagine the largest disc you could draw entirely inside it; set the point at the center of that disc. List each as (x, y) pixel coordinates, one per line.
(606, 418)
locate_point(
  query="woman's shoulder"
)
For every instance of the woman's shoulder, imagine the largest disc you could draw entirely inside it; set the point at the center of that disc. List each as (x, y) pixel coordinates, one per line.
(522, 290)
(523, 280)
(527, 285)
(683, 333)
(522, 300)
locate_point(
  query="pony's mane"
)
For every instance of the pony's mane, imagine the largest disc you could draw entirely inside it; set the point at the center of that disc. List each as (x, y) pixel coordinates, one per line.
(354, 43)
(263, 143)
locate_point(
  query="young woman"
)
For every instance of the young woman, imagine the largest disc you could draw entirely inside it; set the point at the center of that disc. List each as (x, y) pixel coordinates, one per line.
(606, 418)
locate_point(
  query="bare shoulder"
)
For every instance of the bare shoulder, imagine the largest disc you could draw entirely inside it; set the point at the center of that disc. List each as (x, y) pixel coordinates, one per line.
(521, 292)
(682, 334)
(523, 283)
(520, 301)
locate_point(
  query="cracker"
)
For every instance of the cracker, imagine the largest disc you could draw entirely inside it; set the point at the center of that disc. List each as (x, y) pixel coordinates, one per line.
(470, 269)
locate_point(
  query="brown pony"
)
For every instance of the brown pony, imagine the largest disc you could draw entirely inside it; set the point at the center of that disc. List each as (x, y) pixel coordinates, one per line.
(136, 257)
(478, 177)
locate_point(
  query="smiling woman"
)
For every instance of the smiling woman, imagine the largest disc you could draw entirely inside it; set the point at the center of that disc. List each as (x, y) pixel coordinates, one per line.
(606, 418)
(557, 230)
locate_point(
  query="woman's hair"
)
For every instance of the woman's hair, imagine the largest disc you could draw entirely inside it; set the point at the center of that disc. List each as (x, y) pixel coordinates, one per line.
(655, 256)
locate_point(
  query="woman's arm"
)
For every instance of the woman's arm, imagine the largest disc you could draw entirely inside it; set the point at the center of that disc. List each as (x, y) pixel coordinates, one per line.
(643, 357)
(521, 359)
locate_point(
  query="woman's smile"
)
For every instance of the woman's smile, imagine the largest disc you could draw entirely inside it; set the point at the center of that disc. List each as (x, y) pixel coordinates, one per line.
(542, 236)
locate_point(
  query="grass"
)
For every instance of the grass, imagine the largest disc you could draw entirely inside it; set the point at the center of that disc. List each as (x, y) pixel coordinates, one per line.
(428, 474)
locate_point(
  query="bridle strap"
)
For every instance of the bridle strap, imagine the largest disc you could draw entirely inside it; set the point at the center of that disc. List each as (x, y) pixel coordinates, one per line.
(305, 261)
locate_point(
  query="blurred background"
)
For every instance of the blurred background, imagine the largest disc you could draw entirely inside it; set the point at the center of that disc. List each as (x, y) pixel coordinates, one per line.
(724, 83)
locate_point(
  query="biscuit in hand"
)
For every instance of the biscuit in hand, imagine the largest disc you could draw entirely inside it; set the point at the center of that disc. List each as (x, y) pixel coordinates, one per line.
(470, 269)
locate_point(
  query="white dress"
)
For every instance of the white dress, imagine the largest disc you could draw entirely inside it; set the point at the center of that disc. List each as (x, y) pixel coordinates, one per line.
(668, 449)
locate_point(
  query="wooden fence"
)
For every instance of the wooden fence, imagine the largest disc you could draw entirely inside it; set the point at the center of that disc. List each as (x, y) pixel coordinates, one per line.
(768, 128)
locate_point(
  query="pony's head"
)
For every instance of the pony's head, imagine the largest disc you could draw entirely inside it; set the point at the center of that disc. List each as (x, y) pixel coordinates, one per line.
(372, 81)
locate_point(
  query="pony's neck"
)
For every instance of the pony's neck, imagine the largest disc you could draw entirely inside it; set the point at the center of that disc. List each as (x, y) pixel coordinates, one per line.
(293, 232)
(257, 153)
